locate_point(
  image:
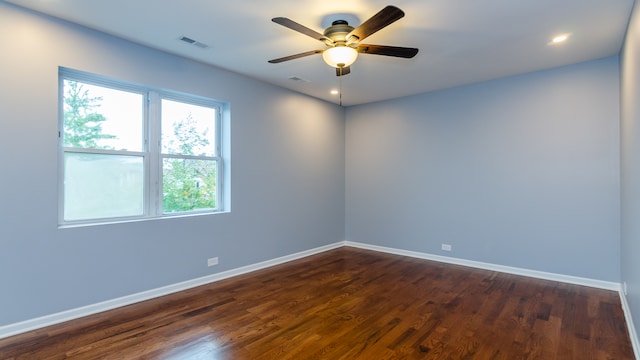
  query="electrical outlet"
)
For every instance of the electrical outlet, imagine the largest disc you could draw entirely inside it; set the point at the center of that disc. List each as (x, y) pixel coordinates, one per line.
(213, 261)
(446, 247)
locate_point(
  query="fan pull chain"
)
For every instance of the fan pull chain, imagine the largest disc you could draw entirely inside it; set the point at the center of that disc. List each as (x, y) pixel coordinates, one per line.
(340, 77)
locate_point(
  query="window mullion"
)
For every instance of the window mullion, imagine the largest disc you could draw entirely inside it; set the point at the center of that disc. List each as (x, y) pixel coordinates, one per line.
(155, 159)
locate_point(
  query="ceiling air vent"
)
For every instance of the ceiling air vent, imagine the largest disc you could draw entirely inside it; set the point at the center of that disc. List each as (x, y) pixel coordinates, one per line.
(299, 79)
(193, 42)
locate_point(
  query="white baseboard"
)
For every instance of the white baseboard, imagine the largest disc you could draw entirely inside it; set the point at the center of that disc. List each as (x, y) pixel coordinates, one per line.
(608, 285)
(630, 325)
(48, 320)
(37, 323)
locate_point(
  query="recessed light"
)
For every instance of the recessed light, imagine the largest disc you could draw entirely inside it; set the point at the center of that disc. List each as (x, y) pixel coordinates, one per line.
(334, 92)
(558, 39)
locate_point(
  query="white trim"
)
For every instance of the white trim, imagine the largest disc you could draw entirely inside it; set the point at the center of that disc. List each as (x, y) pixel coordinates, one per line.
(633, 335)
(48, 320)
(151, 151)
(607, 285)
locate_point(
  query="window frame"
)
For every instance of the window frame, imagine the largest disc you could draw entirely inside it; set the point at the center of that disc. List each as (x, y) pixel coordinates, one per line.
(151, 152)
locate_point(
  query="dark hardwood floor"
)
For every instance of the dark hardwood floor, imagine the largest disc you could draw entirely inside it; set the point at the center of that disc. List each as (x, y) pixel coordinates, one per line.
(350, 304)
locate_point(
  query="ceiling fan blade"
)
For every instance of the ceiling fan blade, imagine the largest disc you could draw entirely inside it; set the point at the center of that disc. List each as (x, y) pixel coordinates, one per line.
(395, 51)
(301, 29)
(296, 56)
(345, 70)
(383, 18)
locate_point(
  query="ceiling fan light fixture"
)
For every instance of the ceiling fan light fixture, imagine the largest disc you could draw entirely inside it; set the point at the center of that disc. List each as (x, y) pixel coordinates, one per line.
(340, 56)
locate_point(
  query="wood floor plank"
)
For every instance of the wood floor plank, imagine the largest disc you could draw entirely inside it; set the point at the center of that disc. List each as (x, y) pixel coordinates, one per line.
(350, 304)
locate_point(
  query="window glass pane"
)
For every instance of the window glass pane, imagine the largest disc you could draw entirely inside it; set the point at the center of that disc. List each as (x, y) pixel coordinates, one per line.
(102, 186)
(188, 184)
(187, 129)
(102, 118)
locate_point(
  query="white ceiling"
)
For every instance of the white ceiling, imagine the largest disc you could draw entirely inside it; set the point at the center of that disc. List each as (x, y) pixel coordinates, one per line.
(460, 41)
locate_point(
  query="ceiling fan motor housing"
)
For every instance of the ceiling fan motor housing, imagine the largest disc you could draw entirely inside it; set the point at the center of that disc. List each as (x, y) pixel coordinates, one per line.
(338, 31)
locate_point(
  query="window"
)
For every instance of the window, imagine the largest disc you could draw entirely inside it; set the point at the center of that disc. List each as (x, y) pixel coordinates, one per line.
(130, 152)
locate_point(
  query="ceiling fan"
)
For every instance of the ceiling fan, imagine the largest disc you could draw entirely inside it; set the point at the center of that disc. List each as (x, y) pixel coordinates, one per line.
(343, 41)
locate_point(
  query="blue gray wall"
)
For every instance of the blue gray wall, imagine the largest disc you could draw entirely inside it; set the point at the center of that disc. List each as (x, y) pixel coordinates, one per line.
(521, 171)
(287, 176)
(630, 123)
